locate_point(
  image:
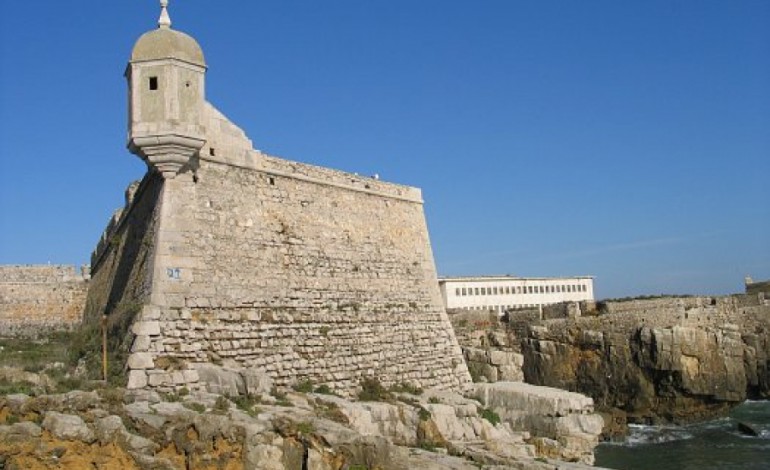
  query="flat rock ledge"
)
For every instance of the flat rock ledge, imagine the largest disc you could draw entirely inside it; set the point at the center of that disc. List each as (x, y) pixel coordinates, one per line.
(564, 424)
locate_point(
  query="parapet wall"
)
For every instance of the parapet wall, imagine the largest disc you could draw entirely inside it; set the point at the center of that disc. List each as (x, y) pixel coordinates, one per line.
(37, 299)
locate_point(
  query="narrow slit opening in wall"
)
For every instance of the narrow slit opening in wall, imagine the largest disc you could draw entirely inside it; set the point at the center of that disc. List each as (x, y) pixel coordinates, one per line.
(153, 83)
(212, 152)
(271, 180)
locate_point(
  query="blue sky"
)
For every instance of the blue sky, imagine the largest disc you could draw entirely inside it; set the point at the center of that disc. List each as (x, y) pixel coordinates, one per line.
(625, 140)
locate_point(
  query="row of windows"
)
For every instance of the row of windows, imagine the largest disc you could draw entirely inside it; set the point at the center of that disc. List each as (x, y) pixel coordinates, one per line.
(460, 291)
(502, 308)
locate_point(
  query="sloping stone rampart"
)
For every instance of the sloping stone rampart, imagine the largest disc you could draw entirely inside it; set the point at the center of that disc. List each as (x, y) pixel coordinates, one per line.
(304, 272)
(36, 299)
(303, 279)
(121, 278)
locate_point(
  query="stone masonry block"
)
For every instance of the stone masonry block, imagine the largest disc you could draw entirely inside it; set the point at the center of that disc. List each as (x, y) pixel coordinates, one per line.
(141, 344)
(150, 312)
(150, 328)
(140, 360)
(136, 379)
(159, 378)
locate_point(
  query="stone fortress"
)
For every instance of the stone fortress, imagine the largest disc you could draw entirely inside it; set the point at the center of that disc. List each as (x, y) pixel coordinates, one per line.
(224, 254)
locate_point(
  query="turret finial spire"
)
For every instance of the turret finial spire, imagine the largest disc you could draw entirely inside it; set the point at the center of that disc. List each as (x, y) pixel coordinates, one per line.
(164, 21)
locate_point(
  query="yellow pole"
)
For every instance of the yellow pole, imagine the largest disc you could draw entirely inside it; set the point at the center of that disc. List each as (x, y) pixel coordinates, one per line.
(104, 347)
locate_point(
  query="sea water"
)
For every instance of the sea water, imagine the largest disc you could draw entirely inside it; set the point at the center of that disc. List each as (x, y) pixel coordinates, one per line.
(716, 444)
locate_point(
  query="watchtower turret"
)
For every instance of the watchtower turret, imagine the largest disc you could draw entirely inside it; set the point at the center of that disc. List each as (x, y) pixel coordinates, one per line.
(166, 83)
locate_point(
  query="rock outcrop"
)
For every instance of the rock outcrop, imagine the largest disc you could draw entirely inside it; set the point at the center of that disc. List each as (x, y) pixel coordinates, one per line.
(564, 423)
(665, 360)
(140, 429)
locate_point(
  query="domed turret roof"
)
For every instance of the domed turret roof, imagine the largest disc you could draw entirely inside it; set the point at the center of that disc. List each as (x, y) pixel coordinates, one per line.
(166, 43)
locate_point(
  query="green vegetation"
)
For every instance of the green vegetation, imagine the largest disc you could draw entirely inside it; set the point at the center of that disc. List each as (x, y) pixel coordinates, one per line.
(424, 414)
(305, 427)
(434, 400)
(324, 389)
(331, 411)
(490, 416)
(10, 388)
(280, 397)
(427, 445)
(406, 388)
(476, 370)
(56, 356)
(247, 403)
(171, 397)
(34, 355)
(112, 396)
(372, 390)
(12, 419)
(305, 386)
(197, 407)
(85, 344)
(221, 406)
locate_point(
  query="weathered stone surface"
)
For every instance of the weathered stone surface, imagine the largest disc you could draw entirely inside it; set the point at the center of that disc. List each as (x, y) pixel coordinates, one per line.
(19, 433)
(264, 457)
(137, 379)
(146, 328)
(38, 299)
(566, 418)
(68, 427)
(540, 400)
(111, 429)
(141, 412)
(140, 360)
(256, 381)
(314, 433)
(217, 379)
(659, 360)
(150, 396)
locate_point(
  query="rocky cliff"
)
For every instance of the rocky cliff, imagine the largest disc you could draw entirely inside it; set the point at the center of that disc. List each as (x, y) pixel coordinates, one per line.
(659, 360)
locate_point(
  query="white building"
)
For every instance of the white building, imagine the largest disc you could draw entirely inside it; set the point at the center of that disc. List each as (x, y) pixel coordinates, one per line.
(499, 293)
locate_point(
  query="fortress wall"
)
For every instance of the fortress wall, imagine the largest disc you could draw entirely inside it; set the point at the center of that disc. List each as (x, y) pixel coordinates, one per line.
(121, 274)
(304, 279)
(40, 299)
